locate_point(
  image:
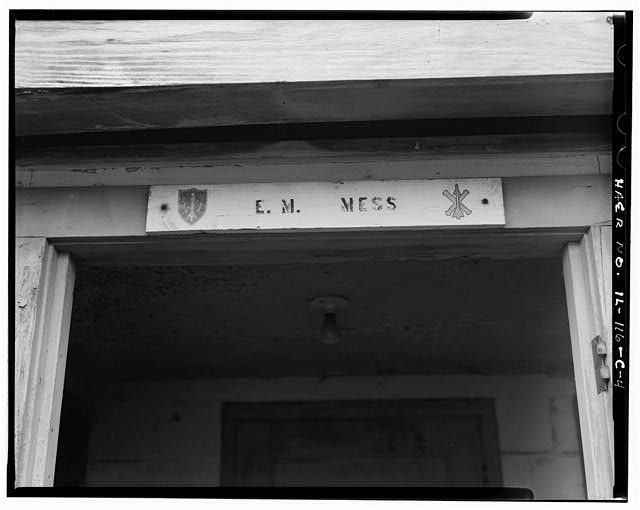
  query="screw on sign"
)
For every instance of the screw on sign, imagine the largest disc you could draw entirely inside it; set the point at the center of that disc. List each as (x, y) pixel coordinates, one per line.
(457, 209)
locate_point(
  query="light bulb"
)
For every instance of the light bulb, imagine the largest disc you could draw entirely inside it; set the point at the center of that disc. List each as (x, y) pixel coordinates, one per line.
(330, 332)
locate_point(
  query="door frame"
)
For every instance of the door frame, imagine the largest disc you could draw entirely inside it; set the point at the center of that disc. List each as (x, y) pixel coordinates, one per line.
(587, 276)
(233, 413)
(45, 275)
(45, 279)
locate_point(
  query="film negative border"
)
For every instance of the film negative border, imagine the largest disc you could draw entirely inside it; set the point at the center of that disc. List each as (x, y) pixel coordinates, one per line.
(621, 214)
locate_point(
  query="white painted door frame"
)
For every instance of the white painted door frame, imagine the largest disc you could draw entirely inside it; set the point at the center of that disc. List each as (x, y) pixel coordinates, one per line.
(44, 297)
(43, 301)
(587, 276)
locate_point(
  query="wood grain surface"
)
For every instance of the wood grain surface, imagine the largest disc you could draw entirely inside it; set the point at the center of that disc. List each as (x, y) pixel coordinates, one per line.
(536, 154)
(31, 265)
(593, 407)
(154, 52)
(95, 110)
(42, 337)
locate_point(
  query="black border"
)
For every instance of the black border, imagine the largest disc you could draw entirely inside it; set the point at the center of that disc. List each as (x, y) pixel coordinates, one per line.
(180, 14)
(300, 493)
(621, 246)
(623, 26)
(11, 213)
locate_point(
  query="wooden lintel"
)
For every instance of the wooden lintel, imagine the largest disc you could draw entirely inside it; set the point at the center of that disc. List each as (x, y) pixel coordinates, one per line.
(318, 247)
(516, 155)
(41, 112)
(530, 202)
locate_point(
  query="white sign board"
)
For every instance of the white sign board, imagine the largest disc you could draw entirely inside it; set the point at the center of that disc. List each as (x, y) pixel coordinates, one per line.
(432, 203)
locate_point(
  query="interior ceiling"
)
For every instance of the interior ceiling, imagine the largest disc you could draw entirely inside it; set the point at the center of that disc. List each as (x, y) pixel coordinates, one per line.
(447, 316)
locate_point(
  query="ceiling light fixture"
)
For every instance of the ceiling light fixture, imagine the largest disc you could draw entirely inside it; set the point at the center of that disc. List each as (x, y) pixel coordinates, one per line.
(329, 306)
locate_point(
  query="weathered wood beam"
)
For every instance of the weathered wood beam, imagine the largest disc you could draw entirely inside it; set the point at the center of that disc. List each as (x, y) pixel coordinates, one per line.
(530, 202)
(122, 53)
(319, 247)
(333, 160)
(90, 110)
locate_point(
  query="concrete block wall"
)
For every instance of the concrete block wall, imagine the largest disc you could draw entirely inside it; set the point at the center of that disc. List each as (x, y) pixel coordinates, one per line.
(168, 433)
(540, 446)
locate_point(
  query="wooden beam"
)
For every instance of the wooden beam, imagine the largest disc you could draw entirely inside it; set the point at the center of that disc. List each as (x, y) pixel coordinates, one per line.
(533, 154)
(41, 354)
(319, 247)
(125, 53)
(530, 202)
(582, 265)
(91, 110)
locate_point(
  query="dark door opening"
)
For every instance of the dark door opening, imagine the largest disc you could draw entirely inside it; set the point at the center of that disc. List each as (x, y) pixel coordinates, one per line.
(164, 354)
(419, 443)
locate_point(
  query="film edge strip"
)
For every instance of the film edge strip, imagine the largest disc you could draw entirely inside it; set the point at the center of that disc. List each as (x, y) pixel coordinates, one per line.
(621, 214)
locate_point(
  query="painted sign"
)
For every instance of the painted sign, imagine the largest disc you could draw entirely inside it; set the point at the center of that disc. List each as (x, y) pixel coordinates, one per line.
(432, 203)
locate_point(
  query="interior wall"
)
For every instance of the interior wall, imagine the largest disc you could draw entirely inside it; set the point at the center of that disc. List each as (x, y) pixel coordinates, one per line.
(168, 433)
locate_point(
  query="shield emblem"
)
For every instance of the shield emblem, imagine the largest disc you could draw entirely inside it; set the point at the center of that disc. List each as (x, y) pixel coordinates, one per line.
(192, 203)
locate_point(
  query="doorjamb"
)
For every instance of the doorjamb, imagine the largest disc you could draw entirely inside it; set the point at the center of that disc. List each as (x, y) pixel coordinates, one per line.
(44, 304)
(587, 276)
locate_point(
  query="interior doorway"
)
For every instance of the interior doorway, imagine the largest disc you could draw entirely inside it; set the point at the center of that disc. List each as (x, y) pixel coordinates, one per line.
(418, 443)
(168, 359)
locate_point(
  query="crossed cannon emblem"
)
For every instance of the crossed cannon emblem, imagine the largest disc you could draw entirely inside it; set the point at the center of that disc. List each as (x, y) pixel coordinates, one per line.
(457, 209)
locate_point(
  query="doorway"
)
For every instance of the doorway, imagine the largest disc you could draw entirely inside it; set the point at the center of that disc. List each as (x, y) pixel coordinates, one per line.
(418, 443)
(172, 357)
